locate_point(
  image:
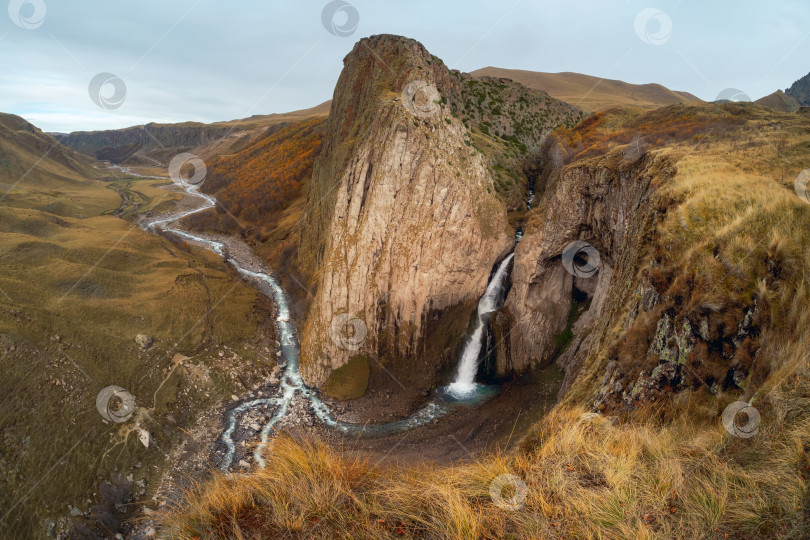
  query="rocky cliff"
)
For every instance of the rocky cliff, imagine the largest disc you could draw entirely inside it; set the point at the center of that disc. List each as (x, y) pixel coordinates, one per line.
(633, 273)
(120, 144)
(602, 203)
(404, 221)
(800, 91)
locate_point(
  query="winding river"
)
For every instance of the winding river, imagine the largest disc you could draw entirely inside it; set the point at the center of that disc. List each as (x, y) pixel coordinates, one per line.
(463, 390)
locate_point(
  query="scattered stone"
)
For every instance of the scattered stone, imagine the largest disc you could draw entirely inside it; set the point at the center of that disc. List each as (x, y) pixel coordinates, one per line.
(143, 341)
(244, 464)
(234, 397)
(144, 438)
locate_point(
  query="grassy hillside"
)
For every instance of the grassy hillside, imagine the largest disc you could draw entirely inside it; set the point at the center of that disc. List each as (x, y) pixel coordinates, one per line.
(76, 287)
(263, 179)
(729, 230)
(262, 193)
(779, 101)
(592, 94)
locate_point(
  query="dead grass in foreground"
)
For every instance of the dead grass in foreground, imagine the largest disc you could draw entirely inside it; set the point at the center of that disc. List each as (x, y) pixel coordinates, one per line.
(670, 472)
(586, 477)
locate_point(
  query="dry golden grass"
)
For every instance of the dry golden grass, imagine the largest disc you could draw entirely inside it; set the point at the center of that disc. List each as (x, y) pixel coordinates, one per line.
(668, 471)
(592, 93)
(76, 287)
(587, 477)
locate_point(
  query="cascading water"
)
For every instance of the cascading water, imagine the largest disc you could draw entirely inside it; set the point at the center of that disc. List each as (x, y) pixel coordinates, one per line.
(464, 384)
(291, 383)
(463, 389)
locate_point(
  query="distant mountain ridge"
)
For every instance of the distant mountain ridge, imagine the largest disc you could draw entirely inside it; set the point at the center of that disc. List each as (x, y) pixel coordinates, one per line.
(800, 91)
(160, 142)
(590, 93)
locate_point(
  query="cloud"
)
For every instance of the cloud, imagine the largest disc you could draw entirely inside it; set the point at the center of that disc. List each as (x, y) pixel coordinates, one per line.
(208, 61)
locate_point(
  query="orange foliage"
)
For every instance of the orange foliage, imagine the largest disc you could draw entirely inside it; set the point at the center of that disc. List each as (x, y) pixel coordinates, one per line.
(262, 180)
(597, 134)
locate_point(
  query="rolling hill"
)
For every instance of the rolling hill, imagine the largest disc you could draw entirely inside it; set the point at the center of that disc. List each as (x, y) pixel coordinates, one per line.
(779, 101)
(155, 144)
(77, 285)
(592, 94)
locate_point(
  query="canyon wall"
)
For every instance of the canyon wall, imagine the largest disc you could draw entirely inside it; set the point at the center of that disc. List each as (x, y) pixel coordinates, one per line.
(603, 203)
(647, 307)
(403, 222)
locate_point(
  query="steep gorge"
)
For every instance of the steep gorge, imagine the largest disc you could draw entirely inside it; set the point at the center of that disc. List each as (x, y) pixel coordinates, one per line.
(405, 218)
(669, 309)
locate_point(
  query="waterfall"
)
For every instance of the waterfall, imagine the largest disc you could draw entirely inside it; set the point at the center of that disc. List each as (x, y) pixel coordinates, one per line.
(464, 384)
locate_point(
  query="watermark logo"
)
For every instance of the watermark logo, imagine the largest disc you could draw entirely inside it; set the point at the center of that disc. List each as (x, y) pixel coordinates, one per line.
(514, 502)
(180, 164)
(801, 185)
(27, 14)
(421, 98)
(741, 419)
(99, 90)
(340, 18)
(348, 332)
(636, 148)
(115, 404)
(732, 95)
(581, 259)
(653, 26)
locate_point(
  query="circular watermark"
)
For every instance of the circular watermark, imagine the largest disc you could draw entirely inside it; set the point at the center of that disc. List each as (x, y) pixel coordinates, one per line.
(27, 14)
(636, 148)
(180, 161)
(115, 404)
(99, 90)
(741, 419)
(348, 332)
(581, 259)
(732, 95)
(517, 500)
(421, 98)
(653, 26)
(340, 18)
(801, 185)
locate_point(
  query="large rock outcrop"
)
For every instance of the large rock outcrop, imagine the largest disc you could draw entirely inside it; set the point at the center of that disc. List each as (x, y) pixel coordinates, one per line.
(603, 203)
(668, 309)
(403, 221)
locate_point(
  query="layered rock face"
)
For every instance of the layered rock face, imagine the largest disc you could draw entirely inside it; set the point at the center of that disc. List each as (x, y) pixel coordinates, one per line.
(653, 320)
(403, 223)
(603, 204)
(151, 136)
(414, 228)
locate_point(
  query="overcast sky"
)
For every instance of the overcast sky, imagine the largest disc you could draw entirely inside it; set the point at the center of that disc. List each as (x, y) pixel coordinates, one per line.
(209, 60)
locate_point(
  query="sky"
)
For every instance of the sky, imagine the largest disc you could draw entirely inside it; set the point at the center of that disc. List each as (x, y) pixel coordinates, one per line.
(100, 64)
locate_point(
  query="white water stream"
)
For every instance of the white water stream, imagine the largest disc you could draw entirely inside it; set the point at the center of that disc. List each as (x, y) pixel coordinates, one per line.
(291, 383)
(464, 384)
